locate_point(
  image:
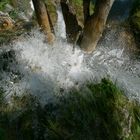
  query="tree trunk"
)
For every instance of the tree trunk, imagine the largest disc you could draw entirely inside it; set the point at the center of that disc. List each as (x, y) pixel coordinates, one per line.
(72, 27)
(86, 9)
(50, 22)
(94, 25)
(43, 19)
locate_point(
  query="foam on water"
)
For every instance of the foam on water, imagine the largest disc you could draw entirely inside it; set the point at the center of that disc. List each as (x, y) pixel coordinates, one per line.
(45, 70)
(32, 6)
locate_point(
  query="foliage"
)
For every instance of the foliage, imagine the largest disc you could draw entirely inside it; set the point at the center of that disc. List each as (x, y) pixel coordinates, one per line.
(98, 111)
(3, 3)
(14, 14)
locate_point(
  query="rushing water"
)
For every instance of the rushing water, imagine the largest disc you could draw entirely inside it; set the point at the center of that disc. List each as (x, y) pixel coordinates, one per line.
(44, 71)
(60, 31)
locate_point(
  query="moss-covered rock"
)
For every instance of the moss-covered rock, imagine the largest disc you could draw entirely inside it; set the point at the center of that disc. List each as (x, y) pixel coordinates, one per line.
(97, 111)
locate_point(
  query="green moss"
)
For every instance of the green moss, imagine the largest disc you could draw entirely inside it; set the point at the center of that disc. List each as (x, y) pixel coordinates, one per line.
(78, 6)
(14, 15)
(99, 113)
(52, 11)
(3, 3)
(96, 111)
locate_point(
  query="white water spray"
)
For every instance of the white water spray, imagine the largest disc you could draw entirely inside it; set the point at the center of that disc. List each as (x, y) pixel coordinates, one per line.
(32, 6)
(44, 70)
(60, 29)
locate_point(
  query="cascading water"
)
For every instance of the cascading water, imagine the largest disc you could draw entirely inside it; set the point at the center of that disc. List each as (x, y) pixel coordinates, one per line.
(44, 70)
(32, 6)
(60, 26)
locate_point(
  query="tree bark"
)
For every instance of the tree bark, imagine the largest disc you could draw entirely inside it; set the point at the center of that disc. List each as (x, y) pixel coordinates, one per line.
(43, 19)
(50, 21)
(94, 25)
(86, 9)
(72, 27)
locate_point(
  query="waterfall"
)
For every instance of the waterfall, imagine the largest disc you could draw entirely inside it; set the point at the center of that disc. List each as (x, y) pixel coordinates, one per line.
(34, 67)
(32, 6)
(60, 30)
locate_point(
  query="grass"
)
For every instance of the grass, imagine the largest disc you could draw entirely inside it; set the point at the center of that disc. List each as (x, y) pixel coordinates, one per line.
(3, 3)
(97, 111)
(13, 13)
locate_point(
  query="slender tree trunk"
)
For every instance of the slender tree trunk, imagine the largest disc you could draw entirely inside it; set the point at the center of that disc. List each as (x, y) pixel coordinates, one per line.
(86, 9)
(94, 26)
(43, 19)
(72, 27)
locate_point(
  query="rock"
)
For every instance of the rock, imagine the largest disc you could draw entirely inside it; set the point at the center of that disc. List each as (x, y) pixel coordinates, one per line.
(6, 22)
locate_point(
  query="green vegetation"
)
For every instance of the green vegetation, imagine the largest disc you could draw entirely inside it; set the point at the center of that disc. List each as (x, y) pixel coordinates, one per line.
(7, 36)
(13, 13)
(97, 111)
(78, 6)
(51, 11)
(135, 19)
(3, 3)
